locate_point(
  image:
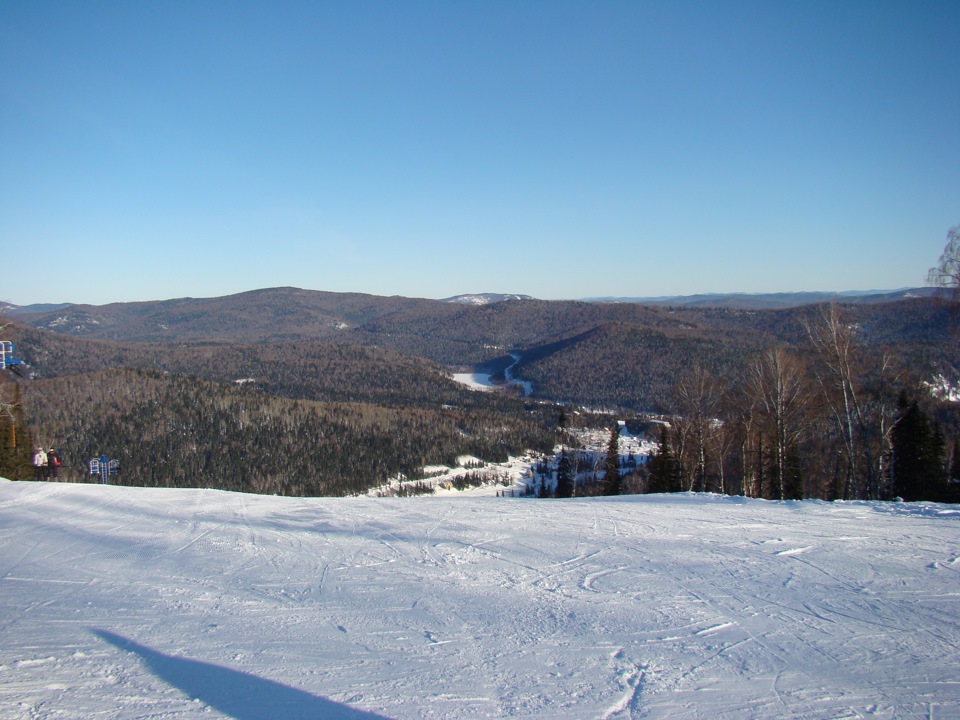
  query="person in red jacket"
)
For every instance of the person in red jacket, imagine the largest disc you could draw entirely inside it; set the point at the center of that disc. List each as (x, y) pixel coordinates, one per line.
(53, 465)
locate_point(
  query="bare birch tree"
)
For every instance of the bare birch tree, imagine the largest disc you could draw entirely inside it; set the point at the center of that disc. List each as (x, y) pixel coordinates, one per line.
(777, 384)
(860, 400)
(698, 398)
(833, 341)
(946, 273)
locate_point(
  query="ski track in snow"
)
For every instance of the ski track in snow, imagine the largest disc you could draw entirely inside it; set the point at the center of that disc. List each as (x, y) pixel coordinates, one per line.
(142, 603)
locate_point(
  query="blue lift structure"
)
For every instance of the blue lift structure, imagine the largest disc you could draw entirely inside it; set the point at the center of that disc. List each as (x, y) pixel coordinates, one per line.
(104, 468)
(7, 360)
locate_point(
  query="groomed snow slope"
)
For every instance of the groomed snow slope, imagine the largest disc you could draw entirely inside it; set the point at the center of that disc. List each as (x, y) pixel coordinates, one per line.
(161, 604)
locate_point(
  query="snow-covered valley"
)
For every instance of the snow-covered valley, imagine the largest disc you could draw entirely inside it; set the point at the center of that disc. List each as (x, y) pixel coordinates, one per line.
(484, 381)
(146, 603)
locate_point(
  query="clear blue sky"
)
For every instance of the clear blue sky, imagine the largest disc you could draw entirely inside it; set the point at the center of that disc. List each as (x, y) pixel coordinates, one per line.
(160, 149)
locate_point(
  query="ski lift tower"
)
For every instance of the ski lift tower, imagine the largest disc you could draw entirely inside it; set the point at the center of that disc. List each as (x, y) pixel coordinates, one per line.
(104, 468)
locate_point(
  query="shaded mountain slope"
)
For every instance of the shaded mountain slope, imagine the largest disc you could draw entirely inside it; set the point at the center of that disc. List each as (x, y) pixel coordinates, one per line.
(177, 431)
(308, 344)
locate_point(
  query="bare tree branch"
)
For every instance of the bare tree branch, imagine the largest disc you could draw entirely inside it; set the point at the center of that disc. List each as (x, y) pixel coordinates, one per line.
(946, 273)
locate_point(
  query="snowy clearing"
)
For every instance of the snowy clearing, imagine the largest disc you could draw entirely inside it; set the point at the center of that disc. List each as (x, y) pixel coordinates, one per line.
(142, 603)
(517, 475)
(475, 381)
(484, 381)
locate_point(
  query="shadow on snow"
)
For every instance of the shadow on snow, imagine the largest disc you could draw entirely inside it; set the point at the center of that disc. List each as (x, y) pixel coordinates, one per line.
(234, 693)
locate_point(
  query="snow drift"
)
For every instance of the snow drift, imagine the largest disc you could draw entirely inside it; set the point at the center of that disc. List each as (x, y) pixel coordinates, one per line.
(138, 603)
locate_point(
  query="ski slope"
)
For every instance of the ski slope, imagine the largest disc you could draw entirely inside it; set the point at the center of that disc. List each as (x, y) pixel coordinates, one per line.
(160, 604)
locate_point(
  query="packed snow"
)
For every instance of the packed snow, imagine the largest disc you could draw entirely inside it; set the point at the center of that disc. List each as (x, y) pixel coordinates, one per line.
(156, 603)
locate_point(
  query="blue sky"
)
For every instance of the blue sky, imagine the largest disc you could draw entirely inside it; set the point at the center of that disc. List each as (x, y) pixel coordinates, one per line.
(151, 150)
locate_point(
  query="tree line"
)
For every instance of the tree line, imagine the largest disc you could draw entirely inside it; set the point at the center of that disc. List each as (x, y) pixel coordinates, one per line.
(826, 420)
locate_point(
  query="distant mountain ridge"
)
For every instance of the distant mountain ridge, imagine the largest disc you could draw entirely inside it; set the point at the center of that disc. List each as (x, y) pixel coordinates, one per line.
(270, 315)
(335, 303)
(11, 310)
(484, 298)
(460, 331)
(770, 301)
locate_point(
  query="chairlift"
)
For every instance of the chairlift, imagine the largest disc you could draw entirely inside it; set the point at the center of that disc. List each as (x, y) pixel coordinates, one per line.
(104, 468)
(7, 360)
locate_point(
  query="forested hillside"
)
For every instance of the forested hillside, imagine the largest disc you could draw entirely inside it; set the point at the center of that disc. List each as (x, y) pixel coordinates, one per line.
(270, 315)
(461, 335)
(627, 365)
(179, 431)
(310, 371)
(636, 365)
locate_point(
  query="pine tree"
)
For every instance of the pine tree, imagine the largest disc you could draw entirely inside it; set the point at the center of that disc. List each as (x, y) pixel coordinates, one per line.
(612, 482)
(936, 462)
(664, 472)
(918, 470)
(565, 481)
(544, 491)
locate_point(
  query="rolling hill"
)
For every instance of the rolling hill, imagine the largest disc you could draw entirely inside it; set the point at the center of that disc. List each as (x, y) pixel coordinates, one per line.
(276, 335)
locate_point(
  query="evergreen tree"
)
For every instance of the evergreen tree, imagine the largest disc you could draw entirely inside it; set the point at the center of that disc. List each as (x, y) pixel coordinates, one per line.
(562, 423)
(612, 482)
(918, 472)
(565, 480)
(544, 491)
(664, 473)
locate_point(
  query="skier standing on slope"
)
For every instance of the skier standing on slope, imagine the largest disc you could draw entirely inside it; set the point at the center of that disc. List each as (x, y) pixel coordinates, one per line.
(40, 465)
(53, 465)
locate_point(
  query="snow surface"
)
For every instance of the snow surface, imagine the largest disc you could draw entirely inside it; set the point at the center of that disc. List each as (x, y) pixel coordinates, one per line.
(154, 603)
(518, 473)
(943, 389)
(475, 381)
(484, 381)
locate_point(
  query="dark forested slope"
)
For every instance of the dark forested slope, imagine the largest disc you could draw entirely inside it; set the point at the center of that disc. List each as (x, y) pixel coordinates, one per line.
(310, 371)
(178, 431)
